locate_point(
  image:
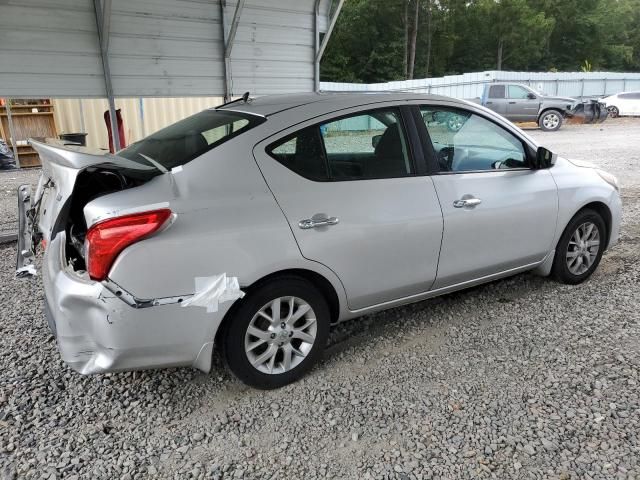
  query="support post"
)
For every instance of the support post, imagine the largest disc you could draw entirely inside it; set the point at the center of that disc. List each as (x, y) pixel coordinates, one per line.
(141, 108)
(81, 110)
(12, 134)
(103, 42)
(321, 46)
(228, 46)
(316, 46)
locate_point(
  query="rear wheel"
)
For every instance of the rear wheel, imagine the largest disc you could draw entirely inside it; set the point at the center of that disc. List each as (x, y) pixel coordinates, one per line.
(580, 248)
(613, 111)
(277, 334)
(550, 121)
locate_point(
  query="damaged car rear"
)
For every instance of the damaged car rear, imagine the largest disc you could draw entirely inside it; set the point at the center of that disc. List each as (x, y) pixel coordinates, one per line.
(108, 225)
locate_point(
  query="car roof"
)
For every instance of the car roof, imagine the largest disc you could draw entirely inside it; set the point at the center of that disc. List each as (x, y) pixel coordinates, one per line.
(325, 101)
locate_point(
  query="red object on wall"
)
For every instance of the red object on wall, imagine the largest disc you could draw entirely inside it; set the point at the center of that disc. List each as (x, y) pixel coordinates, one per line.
(107, 119)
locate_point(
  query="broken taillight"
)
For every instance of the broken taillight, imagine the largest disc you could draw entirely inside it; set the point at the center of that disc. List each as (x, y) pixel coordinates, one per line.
(105, 240)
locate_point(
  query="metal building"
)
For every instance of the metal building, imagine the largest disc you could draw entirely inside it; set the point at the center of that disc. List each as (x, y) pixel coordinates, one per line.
(161, 48)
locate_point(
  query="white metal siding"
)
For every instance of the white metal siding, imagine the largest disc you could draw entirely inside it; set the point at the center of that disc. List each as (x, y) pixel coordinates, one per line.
(49, 48)
(470, 85)
(161, 48)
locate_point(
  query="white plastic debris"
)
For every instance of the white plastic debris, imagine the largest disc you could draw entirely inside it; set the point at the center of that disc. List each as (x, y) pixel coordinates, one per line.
(177, 169)
(211, 291)
(27, 270)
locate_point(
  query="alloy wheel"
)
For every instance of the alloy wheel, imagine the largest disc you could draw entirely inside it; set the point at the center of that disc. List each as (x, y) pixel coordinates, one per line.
(281, 335)
(551, 121)
(583, 248)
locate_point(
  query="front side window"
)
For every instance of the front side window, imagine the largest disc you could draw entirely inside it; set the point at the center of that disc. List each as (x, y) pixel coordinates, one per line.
(630, 96)
(363, 146)
(517, 92)
(187, 139)
(465, 142)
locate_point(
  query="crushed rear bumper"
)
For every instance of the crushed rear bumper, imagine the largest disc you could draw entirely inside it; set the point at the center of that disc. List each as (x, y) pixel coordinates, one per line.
(98, 332)
(590, 111)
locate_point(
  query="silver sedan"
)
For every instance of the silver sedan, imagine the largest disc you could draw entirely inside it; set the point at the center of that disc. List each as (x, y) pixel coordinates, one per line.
(253, 227)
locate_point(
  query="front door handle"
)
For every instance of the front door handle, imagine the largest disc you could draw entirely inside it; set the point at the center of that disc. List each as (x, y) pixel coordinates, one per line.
(467, 202)
(512, 103)
(317, 221)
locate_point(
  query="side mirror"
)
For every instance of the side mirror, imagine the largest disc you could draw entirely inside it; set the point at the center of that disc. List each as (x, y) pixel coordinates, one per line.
(531, 96)
(545, 158)
(375, 140)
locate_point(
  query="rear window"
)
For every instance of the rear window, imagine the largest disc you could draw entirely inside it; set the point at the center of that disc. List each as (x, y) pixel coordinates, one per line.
(187, 139)
(496, 91)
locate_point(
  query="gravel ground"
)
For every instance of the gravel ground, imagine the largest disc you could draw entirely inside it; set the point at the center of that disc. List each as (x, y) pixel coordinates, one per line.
(522, 378)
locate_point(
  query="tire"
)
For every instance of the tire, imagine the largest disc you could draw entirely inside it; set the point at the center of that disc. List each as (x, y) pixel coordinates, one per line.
(241, 349)
(455, 123)
(550, 120)
(613, 111)
(569, 253)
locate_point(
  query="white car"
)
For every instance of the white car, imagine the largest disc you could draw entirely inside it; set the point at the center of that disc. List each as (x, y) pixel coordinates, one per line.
(623, 104)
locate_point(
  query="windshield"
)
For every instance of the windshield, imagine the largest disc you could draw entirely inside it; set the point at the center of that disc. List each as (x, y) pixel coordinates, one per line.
(187, 139)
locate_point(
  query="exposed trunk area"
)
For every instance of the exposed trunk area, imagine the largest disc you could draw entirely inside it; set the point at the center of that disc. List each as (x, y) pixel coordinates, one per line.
(91, 183)
(71, 178)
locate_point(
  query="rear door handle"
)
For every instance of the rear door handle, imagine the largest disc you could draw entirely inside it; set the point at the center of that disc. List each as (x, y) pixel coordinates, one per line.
(317, 221)
(467, 203)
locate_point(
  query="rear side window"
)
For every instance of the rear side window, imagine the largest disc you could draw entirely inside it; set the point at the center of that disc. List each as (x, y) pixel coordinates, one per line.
(303, 153)
(496, 91)
(357, 147)
(187, 139)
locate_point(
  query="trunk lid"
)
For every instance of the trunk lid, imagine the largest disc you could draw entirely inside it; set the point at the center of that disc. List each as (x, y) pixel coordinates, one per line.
(40, 214)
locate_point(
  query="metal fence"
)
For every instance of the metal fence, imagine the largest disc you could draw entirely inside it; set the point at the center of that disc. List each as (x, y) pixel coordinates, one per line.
(580, 85)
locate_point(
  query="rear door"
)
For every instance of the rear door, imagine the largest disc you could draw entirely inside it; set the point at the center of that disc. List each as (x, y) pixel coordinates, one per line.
(520, 107)
(496, 99)
(353, 196)
(499, 215)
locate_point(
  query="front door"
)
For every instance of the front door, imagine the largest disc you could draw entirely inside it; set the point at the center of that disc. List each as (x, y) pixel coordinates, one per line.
(349, 189)
(520, 107)
(498, 214)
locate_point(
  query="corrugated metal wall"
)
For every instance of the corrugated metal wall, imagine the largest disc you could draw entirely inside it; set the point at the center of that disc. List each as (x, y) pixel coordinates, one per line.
(141, 117)
(157, 48)
(470, 85)
(49, 45)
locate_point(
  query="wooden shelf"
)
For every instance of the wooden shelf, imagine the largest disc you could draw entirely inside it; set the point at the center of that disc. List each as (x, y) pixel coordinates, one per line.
(27, 124)
(41, 105)
(25, 114)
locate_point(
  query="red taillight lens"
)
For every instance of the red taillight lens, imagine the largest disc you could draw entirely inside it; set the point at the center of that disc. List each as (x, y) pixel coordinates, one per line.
(105, 240)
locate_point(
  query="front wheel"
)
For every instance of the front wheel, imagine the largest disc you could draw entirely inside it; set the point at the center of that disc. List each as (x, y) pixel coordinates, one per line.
(580, 248)
(277, 334)
(550, 121)
(613, 111)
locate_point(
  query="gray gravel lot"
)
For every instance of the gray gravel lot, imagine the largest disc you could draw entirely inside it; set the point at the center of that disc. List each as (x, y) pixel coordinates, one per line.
(523, 378)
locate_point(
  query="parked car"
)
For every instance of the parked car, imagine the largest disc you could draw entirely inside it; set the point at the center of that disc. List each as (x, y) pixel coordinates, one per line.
(7, 162)
(623, 104)
(286, 202)
(520, 103)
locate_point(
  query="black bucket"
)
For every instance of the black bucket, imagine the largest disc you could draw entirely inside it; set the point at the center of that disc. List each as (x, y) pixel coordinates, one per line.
(74, 138)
